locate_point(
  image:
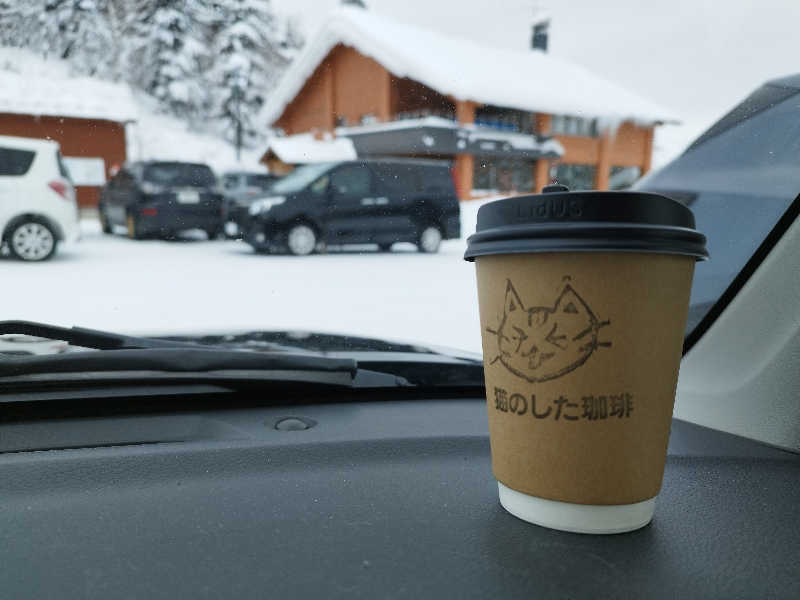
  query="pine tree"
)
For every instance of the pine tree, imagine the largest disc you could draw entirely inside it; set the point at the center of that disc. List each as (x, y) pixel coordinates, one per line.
(252, 50)
(169, 56)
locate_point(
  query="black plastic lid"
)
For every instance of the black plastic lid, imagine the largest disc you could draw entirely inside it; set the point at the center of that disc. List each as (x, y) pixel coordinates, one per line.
(558, 220)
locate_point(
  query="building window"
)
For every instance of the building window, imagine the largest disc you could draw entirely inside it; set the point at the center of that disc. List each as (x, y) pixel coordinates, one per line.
(621, 178)
(423, 113)
(578, 126)
(575, 177)
(502, 175)
(504, 119)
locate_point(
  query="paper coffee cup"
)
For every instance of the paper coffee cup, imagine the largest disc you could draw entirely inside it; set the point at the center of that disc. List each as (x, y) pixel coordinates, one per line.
(583, 303)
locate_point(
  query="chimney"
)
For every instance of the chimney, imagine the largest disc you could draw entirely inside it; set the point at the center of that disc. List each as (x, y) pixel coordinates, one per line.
(539, 35)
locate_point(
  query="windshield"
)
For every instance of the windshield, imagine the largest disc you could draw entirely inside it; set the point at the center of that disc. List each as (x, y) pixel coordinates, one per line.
(176, 174)
(401, 119)
(260, 181)
(300, 178)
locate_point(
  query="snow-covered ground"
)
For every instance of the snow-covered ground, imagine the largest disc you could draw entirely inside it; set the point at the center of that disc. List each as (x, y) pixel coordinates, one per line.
(156, 287)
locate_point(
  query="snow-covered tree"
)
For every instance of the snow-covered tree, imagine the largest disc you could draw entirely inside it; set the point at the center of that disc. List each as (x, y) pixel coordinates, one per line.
(169, 56)
(251, 49)
(74, 30)
(211, 62)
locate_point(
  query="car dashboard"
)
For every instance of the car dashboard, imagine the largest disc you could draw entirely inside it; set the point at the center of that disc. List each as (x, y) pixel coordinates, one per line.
(377, 497)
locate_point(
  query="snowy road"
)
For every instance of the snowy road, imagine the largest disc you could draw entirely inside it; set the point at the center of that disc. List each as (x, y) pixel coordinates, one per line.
(156, 287)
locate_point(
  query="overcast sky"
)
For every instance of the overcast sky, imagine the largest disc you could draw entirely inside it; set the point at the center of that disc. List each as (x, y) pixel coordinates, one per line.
(695, 57)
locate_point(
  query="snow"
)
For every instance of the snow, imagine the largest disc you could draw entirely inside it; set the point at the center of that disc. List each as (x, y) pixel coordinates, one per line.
(33, 86)
(430, 121)
(161, 137)
(305, 148)
(520, 141)
(525, 80)
(190, 286)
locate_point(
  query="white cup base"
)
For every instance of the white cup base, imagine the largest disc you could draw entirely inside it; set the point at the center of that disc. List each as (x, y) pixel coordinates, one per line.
(577, 518)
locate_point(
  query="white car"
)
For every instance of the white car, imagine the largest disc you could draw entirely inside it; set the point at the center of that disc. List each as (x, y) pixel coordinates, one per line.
(37, 199)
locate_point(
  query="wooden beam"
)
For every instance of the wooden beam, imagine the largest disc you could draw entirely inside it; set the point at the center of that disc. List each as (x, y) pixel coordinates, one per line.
(465, 163)
(603, 166)
(464, 175)
(541, 174)
(465, 111)
(647, 159)
(542, 123)
(385, 100)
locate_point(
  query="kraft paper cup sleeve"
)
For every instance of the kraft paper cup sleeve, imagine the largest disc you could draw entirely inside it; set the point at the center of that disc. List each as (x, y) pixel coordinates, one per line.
(581, 355)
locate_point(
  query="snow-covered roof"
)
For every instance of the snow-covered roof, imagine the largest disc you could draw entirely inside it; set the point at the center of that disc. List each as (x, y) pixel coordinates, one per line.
(305, 148)
(466, 70)
(31, 85)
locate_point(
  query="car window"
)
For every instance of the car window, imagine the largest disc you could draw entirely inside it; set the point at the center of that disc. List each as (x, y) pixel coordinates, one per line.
(445, 103)
(300, 177)
(176, 174)
(434, 179)
(260, 181)
(320, 185)
(351, 180)
(62, 168)
(395, 178)
(739, 178)
(15, 162)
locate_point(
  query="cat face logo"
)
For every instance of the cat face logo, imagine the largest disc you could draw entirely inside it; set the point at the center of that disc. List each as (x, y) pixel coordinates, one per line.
(541, 343)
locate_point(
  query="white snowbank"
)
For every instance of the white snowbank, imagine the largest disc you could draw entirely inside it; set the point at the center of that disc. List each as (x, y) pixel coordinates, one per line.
(304, 148)
(466, 70)
(161, 137)
(33, 86)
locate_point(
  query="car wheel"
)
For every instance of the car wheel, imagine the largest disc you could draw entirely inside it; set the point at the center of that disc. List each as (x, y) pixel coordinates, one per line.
(213, 233)
(385, 247)
(32, 240)
(132, 224)
(105, 224)
(429, 240)
(301, 240)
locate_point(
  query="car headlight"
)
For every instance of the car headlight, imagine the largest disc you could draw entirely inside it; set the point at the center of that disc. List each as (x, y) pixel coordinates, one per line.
(262, 205)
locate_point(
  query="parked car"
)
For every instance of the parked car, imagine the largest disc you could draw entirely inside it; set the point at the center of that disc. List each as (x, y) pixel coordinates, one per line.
(354, 202)
(37, 199)
(240, 189)
(160, 199)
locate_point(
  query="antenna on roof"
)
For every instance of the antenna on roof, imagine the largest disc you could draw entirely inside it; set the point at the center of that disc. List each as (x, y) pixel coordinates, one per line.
(358, 3)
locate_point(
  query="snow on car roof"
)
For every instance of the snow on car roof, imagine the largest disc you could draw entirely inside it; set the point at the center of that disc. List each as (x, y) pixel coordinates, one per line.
(305, 148)
(466, 70)
(31, 85)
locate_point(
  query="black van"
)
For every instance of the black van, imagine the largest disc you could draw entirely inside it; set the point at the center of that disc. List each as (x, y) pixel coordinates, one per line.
(355, 202)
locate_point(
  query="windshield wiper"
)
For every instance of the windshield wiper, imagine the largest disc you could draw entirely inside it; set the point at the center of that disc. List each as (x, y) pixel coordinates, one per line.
(132, 358)
(87, 338)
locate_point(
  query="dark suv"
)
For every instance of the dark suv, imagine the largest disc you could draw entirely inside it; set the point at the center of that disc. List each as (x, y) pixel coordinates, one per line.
(162, 198)
(355, 202)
